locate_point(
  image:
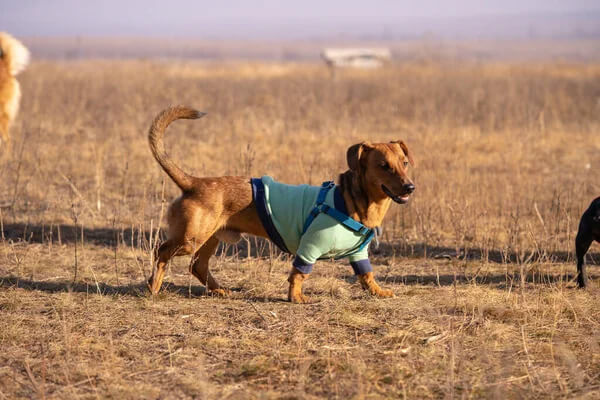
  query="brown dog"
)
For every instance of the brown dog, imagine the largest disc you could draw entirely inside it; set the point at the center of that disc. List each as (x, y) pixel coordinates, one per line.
(220, 209)
(13, 59)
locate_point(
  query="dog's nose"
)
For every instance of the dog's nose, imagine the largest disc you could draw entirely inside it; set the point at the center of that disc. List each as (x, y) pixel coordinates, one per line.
(409, 188)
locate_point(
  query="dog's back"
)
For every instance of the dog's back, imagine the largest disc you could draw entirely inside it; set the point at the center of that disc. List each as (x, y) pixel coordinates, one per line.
(590, 220)
(594, 210)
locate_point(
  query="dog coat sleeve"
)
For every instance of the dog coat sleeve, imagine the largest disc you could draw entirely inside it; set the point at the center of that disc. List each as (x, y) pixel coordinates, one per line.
(313, 245)
(361, 267)
(360, 262)
(325, 238)
(302, 266)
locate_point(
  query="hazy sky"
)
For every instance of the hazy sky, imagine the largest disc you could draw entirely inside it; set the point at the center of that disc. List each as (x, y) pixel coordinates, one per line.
(237, 18)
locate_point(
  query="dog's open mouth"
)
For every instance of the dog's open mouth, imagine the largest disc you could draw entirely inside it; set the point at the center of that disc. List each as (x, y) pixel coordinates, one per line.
(400, 199)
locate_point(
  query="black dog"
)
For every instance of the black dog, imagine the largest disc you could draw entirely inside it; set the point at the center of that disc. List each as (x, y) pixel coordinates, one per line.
(589, 230)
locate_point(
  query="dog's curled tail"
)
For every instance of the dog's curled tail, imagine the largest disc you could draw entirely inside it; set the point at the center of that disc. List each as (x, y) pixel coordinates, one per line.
(155, 138)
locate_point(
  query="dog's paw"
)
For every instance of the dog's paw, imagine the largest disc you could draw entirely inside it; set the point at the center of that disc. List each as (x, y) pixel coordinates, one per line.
(298, 299)
(150, 285)
(384, 293)
(220, 292)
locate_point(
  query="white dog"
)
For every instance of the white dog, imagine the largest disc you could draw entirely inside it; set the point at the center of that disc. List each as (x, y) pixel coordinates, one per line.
(14, 57)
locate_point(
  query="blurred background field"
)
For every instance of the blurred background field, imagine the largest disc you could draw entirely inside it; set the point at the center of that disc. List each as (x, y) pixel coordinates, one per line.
(506, 152)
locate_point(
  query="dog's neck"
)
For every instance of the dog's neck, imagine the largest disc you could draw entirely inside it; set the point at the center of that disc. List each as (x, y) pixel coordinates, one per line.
(361, 204)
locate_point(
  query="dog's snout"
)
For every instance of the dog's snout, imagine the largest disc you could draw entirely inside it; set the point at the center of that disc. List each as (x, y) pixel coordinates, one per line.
(408, 187)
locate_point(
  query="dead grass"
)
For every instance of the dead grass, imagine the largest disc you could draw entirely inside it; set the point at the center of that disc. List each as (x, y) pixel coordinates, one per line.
(480, 260)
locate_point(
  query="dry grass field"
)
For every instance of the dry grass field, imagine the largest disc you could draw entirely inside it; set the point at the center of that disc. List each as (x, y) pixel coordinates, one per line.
(481, 259)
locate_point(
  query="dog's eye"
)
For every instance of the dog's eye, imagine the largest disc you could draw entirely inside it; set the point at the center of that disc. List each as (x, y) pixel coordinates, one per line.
(387, 167)
(405, 164)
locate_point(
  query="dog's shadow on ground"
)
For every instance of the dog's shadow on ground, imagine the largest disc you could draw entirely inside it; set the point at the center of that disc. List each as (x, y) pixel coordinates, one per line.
(140, 290)
(133, 290)
(499, 281)
(261, 248)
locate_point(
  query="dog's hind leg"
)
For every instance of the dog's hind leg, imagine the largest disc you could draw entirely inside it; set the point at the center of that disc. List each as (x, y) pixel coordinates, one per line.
(199, 267)
(164, 253)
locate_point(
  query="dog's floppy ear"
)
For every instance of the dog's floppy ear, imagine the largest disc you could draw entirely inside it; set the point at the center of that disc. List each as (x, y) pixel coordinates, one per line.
(404, 148)
(355, 153)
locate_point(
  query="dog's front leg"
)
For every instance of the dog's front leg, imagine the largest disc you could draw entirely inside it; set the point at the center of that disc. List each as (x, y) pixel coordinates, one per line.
(295, 292)
(367, 282)
(583, 241)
